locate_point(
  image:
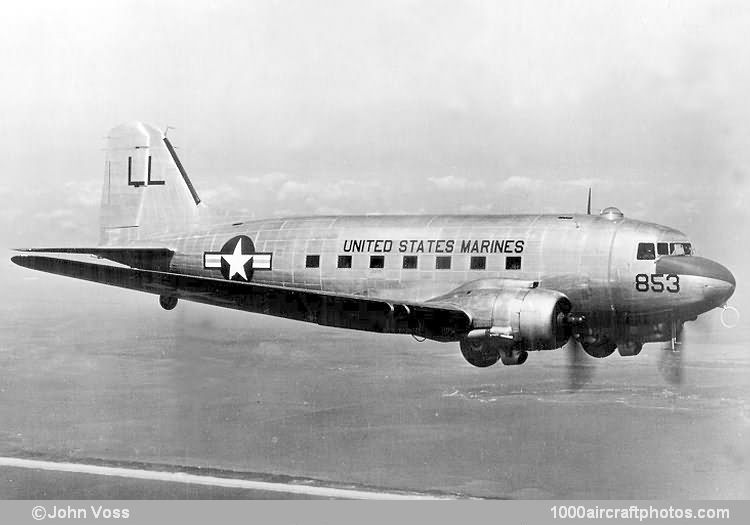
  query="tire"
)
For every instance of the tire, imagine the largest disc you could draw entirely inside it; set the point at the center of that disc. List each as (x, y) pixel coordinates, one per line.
(480, 353)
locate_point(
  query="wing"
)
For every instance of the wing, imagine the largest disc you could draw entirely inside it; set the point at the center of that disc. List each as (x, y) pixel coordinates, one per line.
(442, 322)
(150, 258)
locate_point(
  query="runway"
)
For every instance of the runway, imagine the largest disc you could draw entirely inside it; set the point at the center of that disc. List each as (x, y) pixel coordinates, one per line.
(91, 372)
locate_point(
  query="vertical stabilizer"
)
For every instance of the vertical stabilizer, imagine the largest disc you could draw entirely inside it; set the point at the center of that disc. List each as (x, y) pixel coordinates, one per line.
(146, 189)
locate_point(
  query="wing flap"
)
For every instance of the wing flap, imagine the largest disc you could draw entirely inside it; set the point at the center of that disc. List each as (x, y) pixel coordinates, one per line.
(439, 322)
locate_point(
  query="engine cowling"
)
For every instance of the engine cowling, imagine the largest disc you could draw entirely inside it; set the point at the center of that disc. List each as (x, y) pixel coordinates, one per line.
(513, 321)
(532, 318)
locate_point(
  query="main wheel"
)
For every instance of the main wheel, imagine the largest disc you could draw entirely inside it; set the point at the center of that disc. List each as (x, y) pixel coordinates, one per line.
(629, 348)
(480, 352)
(517, 357)
(600, 348)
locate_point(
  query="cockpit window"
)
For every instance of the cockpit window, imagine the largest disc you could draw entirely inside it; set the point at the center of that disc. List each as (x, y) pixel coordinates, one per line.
(662, 248)
(680, 248)
(646, 251)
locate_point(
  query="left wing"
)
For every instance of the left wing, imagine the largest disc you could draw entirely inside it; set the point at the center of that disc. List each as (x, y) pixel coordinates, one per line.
(442, 322)
(156, 258)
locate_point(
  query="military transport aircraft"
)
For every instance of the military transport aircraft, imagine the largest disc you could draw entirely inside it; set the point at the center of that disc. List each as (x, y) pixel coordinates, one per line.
(499, 285)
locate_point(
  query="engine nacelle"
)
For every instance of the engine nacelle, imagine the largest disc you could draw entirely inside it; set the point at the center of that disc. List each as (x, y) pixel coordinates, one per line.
(532, 318)
(511, 322)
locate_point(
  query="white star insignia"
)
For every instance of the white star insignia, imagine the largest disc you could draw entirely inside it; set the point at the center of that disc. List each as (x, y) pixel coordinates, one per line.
(237, 261)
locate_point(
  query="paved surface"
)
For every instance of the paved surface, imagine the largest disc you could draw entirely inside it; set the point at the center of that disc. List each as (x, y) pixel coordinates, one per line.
(93, 372)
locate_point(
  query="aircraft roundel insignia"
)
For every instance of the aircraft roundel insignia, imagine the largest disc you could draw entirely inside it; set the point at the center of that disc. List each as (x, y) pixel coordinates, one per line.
(237, 260)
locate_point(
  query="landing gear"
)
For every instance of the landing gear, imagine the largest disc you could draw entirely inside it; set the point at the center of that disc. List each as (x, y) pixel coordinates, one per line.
(600, 347)
(167, 302)
(514, 357)
(486, 352)
(480, 352)
(629, 348)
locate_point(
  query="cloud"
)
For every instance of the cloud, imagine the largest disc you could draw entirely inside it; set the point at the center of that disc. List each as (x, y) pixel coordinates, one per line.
(266, 180)
(520, 182)
(452, 182)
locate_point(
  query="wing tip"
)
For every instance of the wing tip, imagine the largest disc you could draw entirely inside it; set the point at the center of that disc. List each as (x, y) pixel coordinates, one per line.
(19, 260)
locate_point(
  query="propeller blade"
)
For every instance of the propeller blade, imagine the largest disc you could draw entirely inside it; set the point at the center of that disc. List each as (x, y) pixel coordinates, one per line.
(580, 365)
(670, 361)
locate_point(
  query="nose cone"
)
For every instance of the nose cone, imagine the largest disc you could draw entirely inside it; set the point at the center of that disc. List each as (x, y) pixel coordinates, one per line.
(719, 282)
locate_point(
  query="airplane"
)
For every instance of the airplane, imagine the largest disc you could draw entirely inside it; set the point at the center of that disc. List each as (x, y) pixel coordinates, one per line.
(499, 285)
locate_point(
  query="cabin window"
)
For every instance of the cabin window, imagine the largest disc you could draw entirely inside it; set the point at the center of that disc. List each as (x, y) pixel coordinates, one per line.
(646, 251)
(312, 261)
(377, 261)
(478, 263)
(443, 262)
(410, 262)
(662, 248)
(512, 263)
(680, 248)
(345, 261)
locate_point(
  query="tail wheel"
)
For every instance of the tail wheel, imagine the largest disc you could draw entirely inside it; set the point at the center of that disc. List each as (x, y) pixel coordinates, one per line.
(167, 302)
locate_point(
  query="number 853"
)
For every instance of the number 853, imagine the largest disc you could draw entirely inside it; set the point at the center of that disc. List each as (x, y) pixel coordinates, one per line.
(657, 282)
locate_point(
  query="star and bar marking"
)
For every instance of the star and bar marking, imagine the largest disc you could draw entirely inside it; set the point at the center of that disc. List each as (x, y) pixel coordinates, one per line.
(237, 259)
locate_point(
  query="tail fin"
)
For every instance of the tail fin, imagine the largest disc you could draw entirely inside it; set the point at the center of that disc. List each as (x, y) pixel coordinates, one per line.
(146, 190)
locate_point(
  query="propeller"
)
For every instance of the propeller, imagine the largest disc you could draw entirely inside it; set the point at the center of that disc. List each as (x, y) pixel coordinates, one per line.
(670, 361)
(580, 365)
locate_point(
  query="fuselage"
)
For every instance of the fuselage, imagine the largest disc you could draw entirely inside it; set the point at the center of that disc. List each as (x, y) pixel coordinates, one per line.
(610, 267)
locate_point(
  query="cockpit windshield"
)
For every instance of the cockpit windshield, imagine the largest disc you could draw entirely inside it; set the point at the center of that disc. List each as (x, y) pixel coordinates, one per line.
(646, 249)
(680, 248)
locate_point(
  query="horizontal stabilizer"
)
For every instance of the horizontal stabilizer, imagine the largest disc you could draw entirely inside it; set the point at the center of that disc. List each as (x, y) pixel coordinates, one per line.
(440, 322)
(147, 258)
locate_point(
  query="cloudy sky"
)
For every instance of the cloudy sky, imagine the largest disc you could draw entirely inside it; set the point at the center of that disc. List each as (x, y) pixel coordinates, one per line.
(341, 107)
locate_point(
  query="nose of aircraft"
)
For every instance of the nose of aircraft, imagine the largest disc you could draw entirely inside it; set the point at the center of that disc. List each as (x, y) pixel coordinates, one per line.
(719, 282)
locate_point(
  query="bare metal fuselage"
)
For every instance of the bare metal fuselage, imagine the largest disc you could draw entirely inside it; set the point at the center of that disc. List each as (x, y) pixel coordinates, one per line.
(590, 259)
